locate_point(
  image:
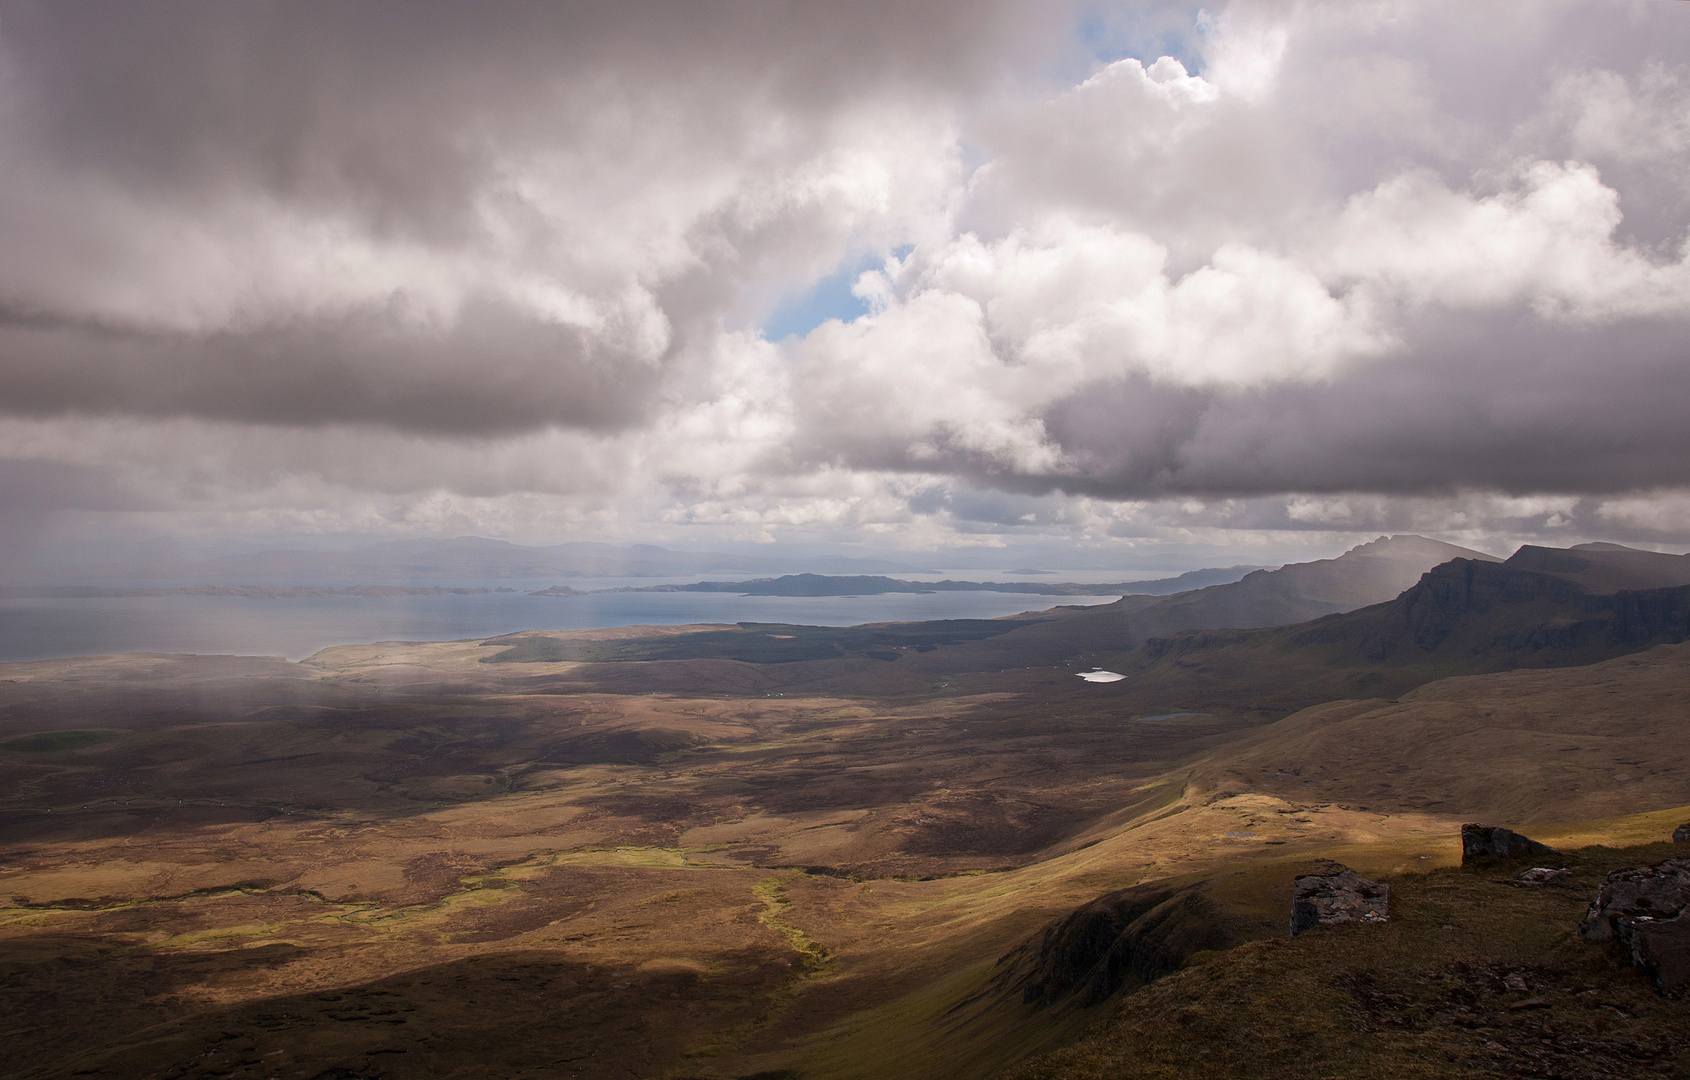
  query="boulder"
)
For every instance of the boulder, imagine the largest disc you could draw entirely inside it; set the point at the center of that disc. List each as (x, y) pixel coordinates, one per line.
(1543, 875)
(1682, 833)
(1661, 947)
(1342, 896)
(1482, 842)
(1655, 892)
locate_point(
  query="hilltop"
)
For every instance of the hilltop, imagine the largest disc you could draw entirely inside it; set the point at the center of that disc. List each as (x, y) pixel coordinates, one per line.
(1540, 608)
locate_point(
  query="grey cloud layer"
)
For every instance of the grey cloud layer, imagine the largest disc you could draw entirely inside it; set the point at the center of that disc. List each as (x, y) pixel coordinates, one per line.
(400, 111)
(435, 217)
(492, 370)
(1405, 249)
(1492, 405)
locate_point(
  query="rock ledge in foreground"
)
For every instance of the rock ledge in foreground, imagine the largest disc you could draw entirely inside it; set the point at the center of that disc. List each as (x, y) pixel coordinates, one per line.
(1646, 909)
(1482, 842)
(1342, 896)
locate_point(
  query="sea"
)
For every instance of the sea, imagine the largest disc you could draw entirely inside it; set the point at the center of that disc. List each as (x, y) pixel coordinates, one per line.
(44, 628)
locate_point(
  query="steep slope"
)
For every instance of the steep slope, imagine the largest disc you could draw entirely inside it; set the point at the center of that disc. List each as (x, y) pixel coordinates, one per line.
(1364, 575)
(1473, 976)
(1592, 746)
(1291, 595)
(1544, 607)
(1508, 747)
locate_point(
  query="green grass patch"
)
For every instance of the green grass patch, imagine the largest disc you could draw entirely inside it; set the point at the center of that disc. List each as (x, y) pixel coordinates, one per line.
(772, 893)
(54, 742)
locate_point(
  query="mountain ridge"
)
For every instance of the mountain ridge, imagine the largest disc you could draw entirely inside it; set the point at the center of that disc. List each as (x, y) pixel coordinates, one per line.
(808, 584)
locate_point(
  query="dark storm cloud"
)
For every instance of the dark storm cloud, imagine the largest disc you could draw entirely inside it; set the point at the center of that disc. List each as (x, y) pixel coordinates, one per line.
(491, 371)
(1497, 402)
(274, 137)
(392, 108)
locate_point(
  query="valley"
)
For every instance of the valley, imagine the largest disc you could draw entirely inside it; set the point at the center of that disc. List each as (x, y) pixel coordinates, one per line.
(779, 851)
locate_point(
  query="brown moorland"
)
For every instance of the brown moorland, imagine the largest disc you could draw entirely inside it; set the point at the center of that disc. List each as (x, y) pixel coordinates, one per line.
(396, 860)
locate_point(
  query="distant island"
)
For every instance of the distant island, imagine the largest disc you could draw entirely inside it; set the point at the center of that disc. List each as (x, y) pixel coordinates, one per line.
(874, 585)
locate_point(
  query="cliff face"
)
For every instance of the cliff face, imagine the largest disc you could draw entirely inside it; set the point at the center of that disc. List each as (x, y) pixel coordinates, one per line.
(1123, 939)
(1364, 575)
(1465, 608)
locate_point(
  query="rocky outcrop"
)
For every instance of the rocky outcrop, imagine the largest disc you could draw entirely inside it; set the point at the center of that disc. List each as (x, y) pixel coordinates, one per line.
(1431, 610)
(1682, 833)
(1646, 910)
(1661, 947)
(1481, 843)
(1543, 875)
(1655, 892)
(1124, 939)
(1337, 897)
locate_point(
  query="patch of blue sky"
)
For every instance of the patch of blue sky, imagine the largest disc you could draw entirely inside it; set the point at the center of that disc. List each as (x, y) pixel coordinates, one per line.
(829, 298)
(1144, 32)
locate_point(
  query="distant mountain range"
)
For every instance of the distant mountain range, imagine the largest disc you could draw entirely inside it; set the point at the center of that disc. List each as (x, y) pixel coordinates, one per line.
(1376, 622)
(1292, 594)
(1368, 574)
(869, 585)
(1542, 607)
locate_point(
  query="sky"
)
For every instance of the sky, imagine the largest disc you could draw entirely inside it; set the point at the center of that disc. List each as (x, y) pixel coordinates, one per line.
(1248, 279)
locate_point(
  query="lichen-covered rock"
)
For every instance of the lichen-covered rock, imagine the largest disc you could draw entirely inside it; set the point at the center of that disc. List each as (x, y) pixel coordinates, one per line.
(1656, 892)
(1682, 833)
(1661, 947)
(1482, 842)
(1341, 897)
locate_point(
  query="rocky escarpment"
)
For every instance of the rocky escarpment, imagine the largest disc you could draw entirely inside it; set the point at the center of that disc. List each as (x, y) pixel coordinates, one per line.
(1514, 615)
(1124, 939)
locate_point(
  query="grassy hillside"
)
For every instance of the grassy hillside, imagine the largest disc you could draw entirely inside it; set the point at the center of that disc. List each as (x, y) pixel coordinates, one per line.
(933, 866)
(1462, 617)
(1475, 975)
(1523, 746)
